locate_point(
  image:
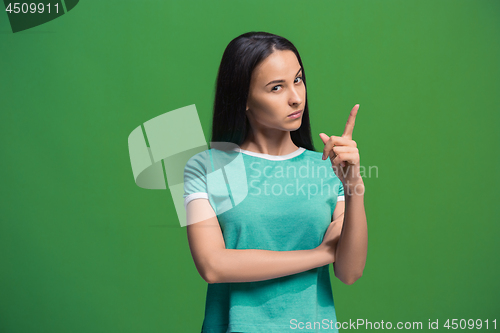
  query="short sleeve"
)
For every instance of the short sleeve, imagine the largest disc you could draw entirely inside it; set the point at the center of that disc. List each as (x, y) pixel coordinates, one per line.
(340, 196)
(195, 178)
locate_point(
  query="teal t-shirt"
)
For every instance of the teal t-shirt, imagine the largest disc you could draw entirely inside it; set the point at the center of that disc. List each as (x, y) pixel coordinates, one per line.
(268, 202)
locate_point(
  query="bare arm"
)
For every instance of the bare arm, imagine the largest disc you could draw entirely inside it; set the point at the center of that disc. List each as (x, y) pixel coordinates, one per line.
(332, 234)
(216, 264)
(352, 246)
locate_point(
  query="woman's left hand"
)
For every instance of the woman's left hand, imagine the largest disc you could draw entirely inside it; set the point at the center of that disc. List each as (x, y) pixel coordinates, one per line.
(344, 153)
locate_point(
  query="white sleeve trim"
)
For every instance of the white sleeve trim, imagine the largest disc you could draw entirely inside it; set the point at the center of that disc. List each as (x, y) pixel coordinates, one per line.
(340, 198)
(192, 196)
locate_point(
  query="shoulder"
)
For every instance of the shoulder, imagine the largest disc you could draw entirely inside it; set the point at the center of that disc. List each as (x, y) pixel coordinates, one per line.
(198, 158)
(209, 159)
(197, 164)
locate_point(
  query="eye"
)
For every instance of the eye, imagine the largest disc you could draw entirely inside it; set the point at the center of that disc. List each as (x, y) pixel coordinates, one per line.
(275, 87)
(299, 77)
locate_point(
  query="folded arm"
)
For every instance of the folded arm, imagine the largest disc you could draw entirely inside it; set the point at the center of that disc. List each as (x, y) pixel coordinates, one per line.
(216, 264)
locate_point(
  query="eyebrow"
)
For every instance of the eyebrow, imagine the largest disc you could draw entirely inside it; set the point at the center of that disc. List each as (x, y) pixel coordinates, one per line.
(279, 81)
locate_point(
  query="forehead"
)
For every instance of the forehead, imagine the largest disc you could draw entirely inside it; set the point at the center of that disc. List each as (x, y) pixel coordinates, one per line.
(278, 65)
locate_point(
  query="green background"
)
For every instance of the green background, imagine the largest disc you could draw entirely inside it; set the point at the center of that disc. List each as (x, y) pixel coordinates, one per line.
(84, 249)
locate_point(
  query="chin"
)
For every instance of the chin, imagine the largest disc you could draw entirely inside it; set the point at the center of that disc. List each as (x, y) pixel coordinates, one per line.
(295, 127)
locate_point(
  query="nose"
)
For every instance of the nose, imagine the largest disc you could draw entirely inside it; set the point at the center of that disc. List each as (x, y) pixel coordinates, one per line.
(296, 96)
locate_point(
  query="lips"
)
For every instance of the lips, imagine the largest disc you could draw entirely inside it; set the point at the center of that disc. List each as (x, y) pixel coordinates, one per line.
(295, 113)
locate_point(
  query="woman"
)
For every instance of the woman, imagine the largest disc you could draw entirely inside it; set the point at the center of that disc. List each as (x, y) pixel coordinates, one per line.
(260, 232)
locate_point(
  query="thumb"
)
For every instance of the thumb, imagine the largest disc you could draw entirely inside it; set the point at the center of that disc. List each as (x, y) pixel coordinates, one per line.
(324, 137)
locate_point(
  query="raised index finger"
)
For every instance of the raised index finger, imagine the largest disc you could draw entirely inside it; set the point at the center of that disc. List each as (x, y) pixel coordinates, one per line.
(349, 126)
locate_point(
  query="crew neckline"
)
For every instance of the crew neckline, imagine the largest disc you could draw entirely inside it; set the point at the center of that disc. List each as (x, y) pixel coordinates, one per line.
(297, 152)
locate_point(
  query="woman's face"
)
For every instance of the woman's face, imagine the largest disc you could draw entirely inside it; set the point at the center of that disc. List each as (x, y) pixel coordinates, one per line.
(276, 91)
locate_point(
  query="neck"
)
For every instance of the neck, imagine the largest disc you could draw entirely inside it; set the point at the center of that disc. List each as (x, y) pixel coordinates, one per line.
(269, 142)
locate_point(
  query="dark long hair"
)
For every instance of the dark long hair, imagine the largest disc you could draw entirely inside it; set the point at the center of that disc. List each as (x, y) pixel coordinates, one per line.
(242, 55)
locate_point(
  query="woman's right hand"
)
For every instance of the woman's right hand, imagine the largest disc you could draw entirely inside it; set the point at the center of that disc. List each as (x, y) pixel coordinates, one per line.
(331, 238)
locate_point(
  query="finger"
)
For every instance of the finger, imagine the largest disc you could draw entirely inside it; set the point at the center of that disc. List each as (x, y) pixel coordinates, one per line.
(351, 158)
(349, 127)
(335, 140)
(326, 152)
(325, 139)
(345, 149)
(332, 155)
(341, 141)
